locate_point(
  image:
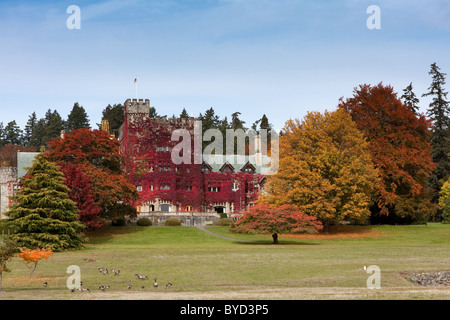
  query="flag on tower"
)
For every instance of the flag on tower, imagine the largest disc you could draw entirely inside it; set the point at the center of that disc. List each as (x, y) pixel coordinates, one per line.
(135, 80)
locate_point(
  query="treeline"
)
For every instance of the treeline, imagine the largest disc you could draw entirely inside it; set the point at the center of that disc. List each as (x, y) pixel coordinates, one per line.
(37, 132)
(210, 120)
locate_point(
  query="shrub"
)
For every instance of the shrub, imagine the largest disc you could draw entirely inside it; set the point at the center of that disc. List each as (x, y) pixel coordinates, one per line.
(144, 222)
(172, 222)
(223, 216)
(119, 222)
(224, 222)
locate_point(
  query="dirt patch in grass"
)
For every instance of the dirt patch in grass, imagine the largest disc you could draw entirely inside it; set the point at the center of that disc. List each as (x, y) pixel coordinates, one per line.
(32, 280)
(340, 232)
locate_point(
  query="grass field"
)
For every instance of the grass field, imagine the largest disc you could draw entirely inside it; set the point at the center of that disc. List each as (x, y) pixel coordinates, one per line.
(203, 266)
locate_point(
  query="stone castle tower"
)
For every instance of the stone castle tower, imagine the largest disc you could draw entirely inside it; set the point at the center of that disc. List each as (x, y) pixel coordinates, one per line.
(136, 109)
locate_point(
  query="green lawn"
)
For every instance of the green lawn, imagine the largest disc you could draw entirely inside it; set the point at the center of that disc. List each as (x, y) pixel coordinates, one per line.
(207, 267)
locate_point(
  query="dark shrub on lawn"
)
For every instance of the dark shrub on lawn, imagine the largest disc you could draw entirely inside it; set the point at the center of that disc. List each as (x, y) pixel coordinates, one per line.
(119, 222)
(144, 222)
(171, 222)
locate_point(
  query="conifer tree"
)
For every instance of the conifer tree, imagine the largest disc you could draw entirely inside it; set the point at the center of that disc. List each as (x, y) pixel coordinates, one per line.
(2, 135)
(54, 125)
(184, 114)
(29, 129)
(410, 99)
(237, 123)
(439, 111)
(115, 116)
(38, 135)
(43, 215)
(77, 118)
(12, 133)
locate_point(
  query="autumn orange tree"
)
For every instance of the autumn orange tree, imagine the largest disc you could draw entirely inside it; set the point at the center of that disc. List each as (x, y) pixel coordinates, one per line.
(325, 169)
(285, 219)
(32, 257)
(399, 144)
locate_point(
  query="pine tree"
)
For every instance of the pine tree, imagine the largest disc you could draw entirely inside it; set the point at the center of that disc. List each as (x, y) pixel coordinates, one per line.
(12, 133)
(54, 125)
(2, 135)
(209, 121)
(29, 129)
(410, 99)
(184, 114)
(439, 111)
(115, 116)
(43, 216)
(38, 135)
(237, 123)
(77, 118)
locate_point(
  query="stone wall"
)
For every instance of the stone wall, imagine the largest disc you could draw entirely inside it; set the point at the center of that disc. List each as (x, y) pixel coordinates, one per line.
(8, 179)
(186, 218)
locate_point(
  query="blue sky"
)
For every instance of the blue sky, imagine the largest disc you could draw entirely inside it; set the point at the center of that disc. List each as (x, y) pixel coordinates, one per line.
(281, 58)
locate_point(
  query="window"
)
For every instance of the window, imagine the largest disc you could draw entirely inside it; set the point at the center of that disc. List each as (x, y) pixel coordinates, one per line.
(248, 170)
(214, 189)
(189, 208)
(206, 170)
(139, 188)
(235, 186)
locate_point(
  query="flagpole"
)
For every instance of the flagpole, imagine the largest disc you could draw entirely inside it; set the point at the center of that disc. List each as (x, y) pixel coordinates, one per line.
(135, 81)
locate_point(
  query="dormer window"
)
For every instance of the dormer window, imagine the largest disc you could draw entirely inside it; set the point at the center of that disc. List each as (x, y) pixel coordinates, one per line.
(227, 168)
(248, 168)
(206, 168)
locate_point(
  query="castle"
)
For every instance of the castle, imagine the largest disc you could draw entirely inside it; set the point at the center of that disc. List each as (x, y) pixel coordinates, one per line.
(207, 188)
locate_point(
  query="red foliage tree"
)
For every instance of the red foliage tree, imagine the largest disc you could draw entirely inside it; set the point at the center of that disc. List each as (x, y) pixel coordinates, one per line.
(81, 193)
(263, 218)
(97, 156)
(400, 147)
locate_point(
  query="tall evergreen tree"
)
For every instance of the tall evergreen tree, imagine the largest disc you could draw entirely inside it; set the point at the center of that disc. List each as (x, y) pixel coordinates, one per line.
(38, 135)
(43, 215)
(237, 123)
(410, 99)
(2, 135)
(54, 125)
(115, 116)
(439, 111)
(184, 114)
(29, 129)
(209, 121)
(77, 118)
(265, 123)
(12, 133)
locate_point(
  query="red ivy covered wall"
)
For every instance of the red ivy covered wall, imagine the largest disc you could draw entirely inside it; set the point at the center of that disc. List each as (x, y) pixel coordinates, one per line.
(148, 147)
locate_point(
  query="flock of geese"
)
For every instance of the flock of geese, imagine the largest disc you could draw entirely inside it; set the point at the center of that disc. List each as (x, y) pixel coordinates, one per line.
(116, 272)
